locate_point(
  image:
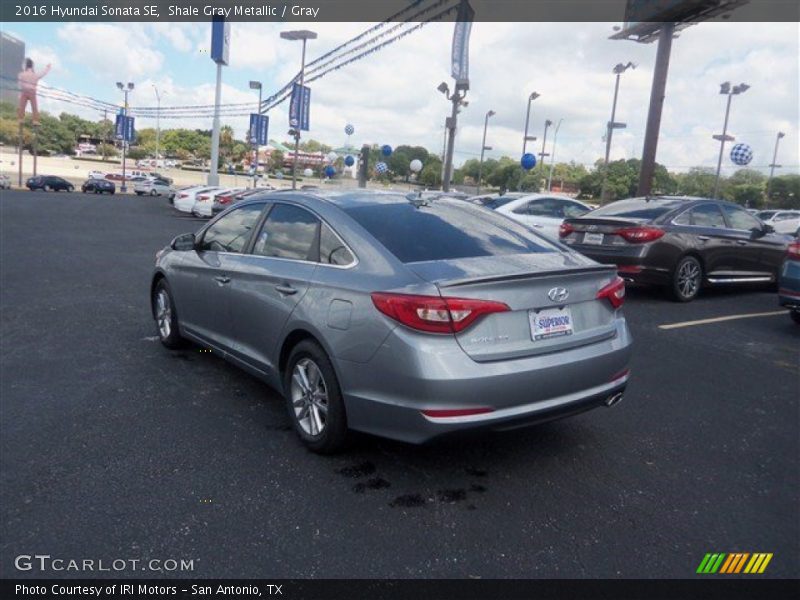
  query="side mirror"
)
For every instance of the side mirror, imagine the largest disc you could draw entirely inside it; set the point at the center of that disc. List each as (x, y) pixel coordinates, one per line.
(768, 228)
(184, 242)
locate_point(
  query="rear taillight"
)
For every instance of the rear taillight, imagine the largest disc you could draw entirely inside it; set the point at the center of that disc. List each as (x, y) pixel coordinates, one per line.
(202, 198)
(223, 199)
(614, 292)
(565, 229)
(183, 195)
(434, 314)
(456, 412)
(793, 251)
(640, 235)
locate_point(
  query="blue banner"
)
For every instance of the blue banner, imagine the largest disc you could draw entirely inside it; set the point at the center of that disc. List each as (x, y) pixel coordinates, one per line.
(460, 53)
(124, 129)
(220, 41)
(300, 107)
(259, 129)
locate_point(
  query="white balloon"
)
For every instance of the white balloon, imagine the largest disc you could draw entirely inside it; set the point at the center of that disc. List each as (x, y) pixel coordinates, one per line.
(308, 173)
(332, 156)
(416, 165)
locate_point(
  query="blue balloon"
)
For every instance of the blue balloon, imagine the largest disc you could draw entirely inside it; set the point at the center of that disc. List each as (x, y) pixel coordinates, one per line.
(528, 161)
(330, 171)
(349, 160)
(349, 129)
(386, 150)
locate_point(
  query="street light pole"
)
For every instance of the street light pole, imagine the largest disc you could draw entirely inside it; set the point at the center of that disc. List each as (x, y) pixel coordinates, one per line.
(158, 121)
(774, 164)
(729, 91)
(543, 154)
(123, 188)
(457, 99)
(525, 138)
(484, 147)
(304, 36)
(619, 69)
(553, 157)
(255, 85)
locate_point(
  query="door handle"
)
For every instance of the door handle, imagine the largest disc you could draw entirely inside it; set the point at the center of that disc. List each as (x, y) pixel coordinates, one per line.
(222, 279)
(286, 290)
(538, 226)
(742, 242)
(703, 238)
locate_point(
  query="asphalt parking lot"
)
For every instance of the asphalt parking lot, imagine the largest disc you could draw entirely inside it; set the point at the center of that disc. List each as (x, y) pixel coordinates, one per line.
(113, 447)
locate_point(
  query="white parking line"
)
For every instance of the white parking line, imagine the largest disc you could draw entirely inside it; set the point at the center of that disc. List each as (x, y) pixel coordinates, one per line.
(721, 319)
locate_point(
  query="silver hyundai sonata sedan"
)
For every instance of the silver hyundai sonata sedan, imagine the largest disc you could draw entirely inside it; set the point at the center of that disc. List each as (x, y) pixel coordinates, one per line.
(400, 316)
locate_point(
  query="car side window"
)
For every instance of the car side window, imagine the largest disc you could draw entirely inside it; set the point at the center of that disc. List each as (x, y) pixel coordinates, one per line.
(573, 209)
(332, 250)
(739, 218)
(705, 215)
(231, 232)
(289, 232)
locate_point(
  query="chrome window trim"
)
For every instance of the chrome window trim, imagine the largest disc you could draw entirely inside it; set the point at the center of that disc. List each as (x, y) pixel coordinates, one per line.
(690, 208)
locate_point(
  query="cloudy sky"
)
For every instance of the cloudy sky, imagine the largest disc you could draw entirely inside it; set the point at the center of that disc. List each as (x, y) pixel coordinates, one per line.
(391, 98)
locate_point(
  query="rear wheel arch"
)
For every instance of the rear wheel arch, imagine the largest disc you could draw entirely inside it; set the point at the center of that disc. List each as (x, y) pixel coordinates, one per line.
(696, 255)
(156, 278)
(296, 336)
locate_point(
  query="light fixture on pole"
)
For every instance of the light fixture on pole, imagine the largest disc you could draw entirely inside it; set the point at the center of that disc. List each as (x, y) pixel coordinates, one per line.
(774, 164)
(484, 147)
(730, 91)
(125, 90)
(544, 154)
(619, 69)
(255, 85)
(525, 137)
(553, 157)
(304, 36)
(457, 99)
(158, 121)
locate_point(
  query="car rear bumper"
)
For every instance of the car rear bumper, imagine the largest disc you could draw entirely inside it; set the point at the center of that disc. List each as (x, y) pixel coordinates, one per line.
(632, 263)
(387, 395)
(789, 285)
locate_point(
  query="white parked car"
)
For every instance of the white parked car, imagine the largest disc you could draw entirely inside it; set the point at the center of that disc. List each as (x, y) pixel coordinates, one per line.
(204, 202)
(5, 182)
(185, 199)
(153, 187)
(782, 221)
(97, 175)
(544, 212)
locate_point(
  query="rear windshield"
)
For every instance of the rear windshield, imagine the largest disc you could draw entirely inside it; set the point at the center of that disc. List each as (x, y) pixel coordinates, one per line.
(496, 203)
(445, 229)
(636, 208)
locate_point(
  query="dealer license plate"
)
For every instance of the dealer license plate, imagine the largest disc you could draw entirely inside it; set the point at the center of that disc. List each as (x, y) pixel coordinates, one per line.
(592, 238)
(550, 322)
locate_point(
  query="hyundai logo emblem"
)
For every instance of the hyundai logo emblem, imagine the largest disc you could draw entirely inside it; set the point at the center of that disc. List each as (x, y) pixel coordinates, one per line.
(558, 294)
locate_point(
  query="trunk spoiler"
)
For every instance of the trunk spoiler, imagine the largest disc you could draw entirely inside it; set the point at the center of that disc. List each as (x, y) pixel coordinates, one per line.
(611, 269)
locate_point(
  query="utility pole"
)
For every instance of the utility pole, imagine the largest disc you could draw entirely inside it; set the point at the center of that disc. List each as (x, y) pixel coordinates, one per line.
(255, 85)
(544, 154)
(774, 164)
(125, 90)
(657, 92)
(105, 132)
(457, 100)
(525, 137)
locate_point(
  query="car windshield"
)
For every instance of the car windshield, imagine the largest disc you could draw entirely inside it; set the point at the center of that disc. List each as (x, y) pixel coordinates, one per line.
(766, 214)
(644, 209)
(444, 229)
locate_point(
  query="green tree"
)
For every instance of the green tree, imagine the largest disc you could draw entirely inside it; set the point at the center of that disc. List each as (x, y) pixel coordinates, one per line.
(431, 174)
(698, 181)
(785, 192)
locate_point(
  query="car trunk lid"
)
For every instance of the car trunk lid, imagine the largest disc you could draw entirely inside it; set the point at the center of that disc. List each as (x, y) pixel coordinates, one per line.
(552, 299)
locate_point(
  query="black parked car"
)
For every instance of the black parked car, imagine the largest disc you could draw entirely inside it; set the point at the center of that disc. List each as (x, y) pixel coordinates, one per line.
(48, 183)
(680, 243)
(98, 186)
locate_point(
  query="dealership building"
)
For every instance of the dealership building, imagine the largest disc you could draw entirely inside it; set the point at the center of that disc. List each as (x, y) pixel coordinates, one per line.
(12, 53)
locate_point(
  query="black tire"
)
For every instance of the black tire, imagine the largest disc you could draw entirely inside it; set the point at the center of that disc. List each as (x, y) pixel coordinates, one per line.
(46, 188)
(170, 333)
(71, 188)
(795, 314)
(153, 193)
(687, 279)
(334, 434)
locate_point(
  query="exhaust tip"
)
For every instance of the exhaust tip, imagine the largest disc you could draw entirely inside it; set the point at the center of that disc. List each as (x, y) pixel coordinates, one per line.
(615, 399)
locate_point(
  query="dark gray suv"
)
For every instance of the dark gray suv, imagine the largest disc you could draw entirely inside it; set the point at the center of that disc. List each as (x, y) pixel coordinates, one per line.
(679, 242)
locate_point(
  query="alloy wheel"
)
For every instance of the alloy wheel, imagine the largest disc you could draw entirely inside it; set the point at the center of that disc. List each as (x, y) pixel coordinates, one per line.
(309, 395)
(688, 279)
(163, 314)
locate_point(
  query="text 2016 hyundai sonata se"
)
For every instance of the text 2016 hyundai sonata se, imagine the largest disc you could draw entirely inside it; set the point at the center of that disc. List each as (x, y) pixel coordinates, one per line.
(398, 316)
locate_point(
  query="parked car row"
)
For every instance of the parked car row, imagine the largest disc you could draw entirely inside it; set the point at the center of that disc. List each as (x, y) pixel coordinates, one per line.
(207, 201)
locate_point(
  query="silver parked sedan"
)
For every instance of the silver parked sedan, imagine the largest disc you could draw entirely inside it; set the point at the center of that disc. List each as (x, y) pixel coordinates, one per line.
(396, 315)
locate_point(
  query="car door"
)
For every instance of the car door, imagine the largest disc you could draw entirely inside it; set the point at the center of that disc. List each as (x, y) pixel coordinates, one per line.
(755, 250)
(268, 282)
(702, 228)
(202, 286)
